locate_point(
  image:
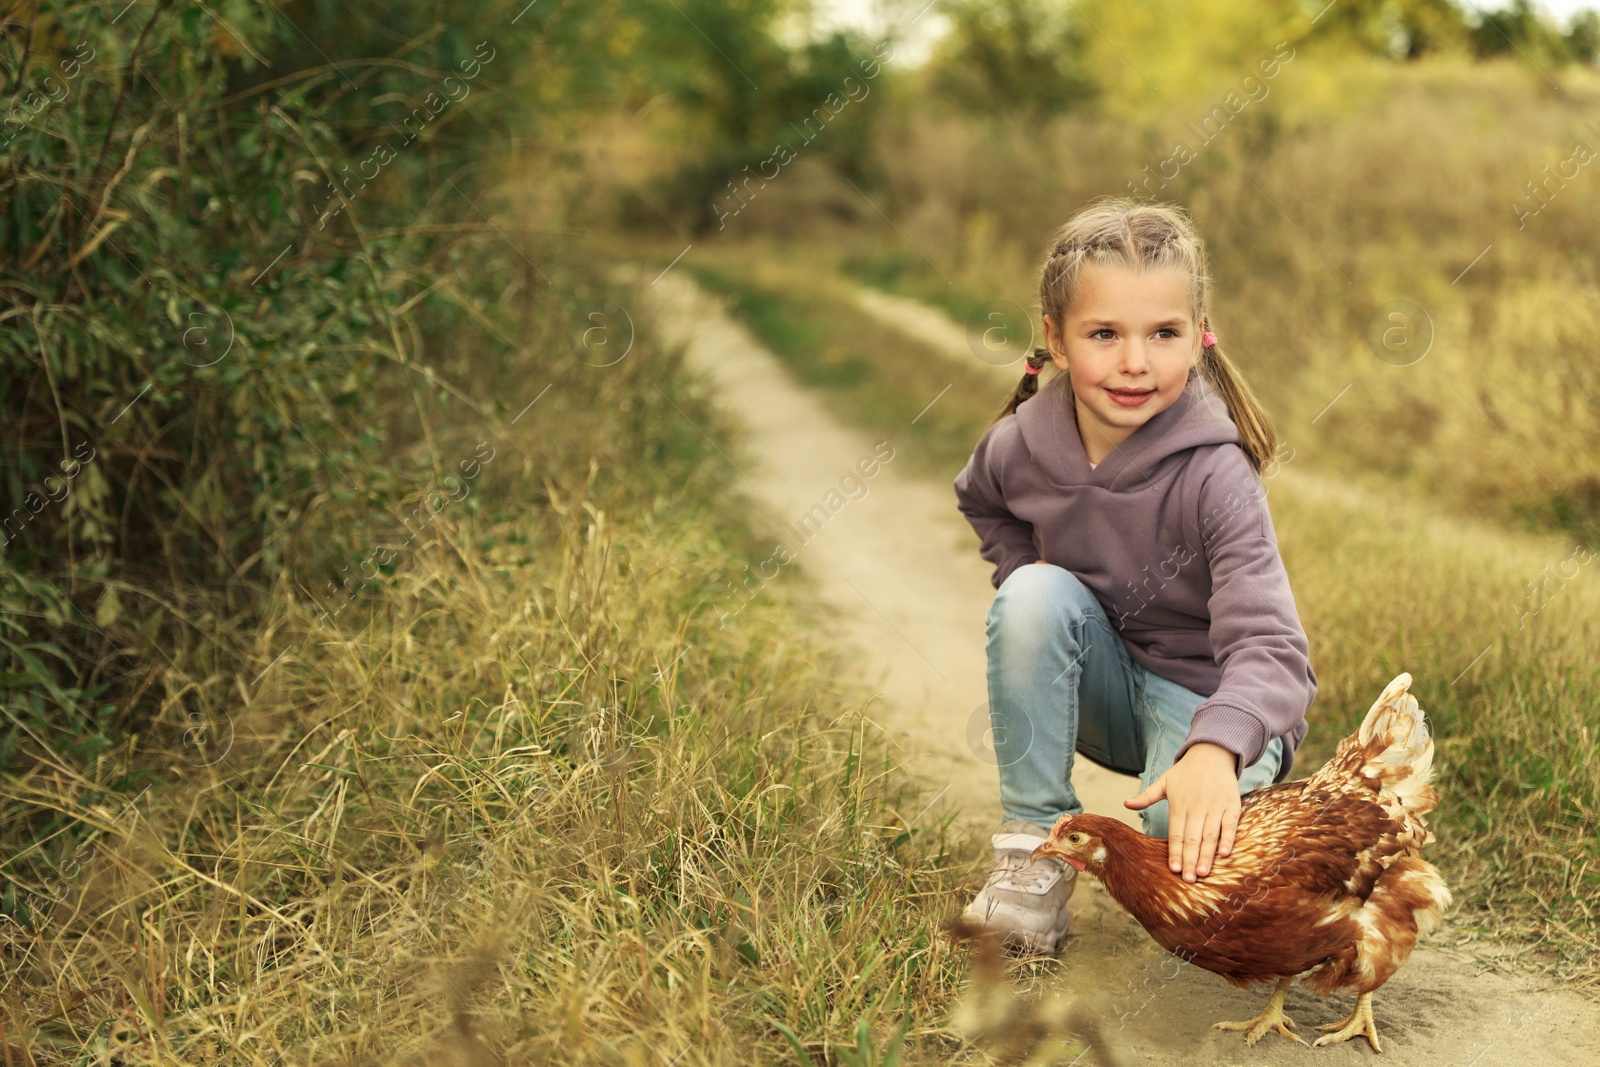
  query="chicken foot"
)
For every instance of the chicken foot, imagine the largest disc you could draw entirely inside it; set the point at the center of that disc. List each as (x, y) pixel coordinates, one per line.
(1271, 1018)
(1358, 1021)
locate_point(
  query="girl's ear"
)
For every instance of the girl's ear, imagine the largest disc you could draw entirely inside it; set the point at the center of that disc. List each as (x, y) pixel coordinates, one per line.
(1055, 344)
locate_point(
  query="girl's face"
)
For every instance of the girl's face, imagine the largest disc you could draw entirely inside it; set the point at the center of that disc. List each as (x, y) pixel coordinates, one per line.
(1127, 343)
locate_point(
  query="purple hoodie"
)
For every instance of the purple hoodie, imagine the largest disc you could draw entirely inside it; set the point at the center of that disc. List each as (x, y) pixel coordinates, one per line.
(1172, 535)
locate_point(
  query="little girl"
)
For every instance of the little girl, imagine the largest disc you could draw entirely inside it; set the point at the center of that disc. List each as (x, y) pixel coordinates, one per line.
(1143, 617)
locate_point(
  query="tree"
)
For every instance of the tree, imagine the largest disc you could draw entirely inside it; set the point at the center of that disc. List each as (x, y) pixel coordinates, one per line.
(1518, 29)
(1013, 55)
(1583, 37)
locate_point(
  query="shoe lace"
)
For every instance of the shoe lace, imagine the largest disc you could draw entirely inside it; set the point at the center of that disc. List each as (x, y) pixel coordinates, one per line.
(1020, 869)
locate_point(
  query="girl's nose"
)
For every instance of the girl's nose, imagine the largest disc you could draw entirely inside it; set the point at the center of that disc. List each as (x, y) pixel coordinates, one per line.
(1134, 360)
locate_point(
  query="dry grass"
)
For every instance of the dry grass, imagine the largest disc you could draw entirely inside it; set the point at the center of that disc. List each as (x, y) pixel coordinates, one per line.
(1497, 626)
(521, 802)
(1353, 184)
(1432, 512)
(1507, 674)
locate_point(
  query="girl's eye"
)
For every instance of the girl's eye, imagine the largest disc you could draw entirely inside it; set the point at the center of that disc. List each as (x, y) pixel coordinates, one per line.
(1165, 331)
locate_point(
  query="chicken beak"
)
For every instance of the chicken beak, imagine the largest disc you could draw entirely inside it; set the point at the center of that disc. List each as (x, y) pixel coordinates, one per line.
(1048, 849)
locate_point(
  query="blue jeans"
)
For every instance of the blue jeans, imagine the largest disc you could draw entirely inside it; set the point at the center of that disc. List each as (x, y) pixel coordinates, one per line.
(1061, 682)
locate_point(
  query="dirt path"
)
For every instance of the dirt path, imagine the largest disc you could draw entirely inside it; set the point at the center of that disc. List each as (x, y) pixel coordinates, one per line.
(938, 333)
(900, 568)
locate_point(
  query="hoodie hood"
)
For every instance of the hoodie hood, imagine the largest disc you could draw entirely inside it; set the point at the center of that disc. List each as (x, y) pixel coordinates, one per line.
(1049, 426)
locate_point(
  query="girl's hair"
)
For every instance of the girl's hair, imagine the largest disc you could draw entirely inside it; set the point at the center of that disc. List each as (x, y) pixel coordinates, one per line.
(1119, 231)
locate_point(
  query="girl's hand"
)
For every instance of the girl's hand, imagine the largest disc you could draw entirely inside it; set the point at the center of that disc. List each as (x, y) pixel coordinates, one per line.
(1202, 794)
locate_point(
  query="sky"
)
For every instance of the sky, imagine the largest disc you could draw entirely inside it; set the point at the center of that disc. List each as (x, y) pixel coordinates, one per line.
(922, 26)
(1563, 9)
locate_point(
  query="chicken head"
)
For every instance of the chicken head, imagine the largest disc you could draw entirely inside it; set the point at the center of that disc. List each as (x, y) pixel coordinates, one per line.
(1074, 839)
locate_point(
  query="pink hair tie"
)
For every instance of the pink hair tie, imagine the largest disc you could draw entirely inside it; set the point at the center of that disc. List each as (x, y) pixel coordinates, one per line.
(1029, 368)
(1208, 338)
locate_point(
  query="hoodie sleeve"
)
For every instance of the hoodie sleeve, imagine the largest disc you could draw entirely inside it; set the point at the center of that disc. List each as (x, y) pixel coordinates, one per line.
(1007, 541)
(1267, 681)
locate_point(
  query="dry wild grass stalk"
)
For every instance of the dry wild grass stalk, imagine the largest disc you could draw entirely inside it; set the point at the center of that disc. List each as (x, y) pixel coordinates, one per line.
(525, 805)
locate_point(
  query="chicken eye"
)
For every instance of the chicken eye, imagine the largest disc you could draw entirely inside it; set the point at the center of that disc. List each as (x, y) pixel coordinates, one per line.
(1075, 839)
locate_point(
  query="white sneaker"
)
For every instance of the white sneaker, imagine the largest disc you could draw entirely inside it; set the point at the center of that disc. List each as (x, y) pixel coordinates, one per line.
(1025, 899)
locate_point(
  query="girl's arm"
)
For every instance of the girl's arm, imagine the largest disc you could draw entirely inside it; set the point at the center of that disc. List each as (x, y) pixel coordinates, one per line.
(1008, 541)
(1267, 682)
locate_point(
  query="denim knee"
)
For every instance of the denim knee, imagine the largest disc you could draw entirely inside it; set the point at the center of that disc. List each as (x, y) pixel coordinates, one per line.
(1037, 597)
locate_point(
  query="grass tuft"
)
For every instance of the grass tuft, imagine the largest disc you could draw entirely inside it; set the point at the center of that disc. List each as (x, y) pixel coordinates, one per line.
(520, 800)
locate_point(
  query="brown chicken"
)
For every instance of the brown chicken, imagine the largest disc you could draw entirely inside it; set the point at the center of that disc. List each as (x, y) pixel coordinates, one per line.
(1326, 875)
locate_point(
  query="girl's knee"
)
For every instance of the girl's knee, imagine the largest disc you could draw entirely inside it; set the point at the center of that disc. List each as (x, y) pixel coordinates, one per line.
(1037, 595)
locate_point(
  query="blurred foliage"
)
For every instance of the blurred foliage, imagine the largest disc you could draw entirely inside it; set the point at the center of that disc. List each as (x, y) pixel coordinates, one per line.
(1014, 55)
(1583, 37)
(1398, 29)
(1032, 57)
(747, 93)
(1522, 30)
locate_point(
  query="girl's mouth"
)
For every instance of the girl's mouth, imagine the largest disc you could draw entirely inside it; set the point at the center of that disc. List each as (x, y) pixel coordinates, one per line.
(1130, 398)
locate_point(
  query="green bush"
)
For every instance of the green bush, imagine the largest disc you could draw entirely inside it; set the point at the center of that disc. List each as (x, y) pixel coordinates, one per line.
(221, 283)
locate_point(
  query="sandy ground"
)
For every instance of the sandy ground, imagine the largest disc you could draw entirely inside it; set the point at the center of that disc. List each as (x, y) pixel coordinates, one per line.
(900, 568)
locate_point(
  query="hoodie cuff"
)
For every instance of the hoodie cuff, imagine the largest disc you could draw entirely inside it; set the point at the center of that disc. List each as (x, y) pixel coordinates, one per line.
(1235, 729)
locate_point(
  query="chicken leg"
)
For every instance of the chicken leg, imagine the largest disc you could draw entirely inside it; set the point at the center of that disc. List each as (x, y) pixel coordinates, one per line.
(1271, 1018)
(1358, 1021)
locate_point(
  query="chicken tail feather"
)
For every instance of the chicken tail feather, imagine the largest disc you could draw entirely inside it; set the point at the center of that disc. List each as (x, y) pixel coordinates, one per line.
(1398, 747)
